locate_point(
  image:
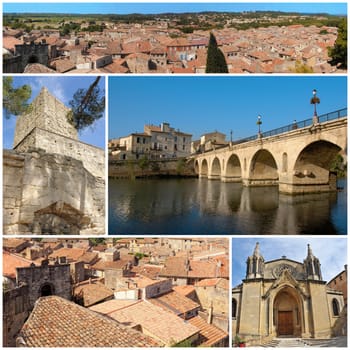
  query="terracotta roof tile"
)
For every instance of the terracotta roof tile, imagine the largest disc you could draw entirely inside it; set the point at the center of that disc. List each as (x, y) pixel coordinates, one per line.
(105, 265)
(10, 262)
(92, 293)
(209, 334)
(175, 303)
(184, 290)
(72, 254)
(162, 325)
(56, 322)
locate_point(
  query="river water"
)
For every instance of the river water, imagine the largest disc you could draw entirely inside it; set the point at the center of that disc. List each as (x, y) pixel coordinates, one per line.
(201, 206)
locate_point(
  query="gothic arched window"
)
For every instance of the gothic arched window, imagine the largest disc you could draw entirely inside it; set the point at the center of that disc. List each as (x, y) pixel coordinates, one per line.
(335, 306)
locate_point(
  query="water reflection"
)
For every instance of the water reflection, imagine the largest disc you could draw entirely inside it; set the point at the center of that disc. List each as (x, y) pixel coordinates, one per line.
(199, 206)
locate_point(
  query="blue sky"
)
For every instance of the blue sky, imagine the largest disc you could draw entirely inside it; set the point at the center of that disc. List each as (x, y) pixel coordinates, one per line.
(202, 104)
(331, 252)
(163, 7)
(63, 88)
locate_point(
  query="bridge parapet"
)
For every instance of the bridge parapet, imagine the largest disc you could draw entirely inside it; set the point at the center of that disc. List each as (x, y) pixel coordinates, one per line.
(341, 113)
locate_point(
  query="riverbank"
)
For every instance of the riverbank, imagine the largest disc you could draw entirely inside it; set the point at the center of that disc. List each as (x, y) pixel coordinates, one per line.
(145, 168)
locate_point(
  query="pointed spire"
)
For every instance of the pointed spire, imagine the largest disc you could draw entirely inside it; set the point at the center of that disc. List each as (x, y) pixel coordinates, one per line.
(309, 251)
(255, 264)
(257, 250)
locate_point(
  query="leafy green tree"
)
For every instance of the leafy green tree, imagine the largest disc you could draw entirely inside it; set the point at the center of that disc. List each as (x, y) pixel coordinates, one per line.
(15, 101)
(338, 165)
(339, 53)
(143, 163)
(216, 62)
(87, 106)
(96, 241)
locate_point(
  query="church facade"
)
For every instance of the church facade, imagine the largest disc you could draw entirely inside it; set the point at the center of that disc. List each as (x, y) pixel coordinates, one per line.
(282, 298)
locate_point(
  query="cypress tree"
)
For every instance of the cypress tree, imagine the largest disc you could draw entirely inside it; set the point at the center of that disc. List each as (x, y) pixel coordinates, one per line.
(216, 62)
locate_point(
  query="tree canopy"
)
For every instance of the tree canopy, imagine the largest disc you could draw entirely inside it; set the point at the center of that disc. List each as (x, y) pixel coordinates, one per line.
(15, 100)
(339, 53)
(216, 62)
(87, 106)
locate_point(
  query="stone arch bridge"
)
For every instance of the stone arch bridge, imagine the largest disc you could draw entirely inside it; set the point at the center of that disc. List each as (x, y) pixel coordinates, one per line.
(297, 158)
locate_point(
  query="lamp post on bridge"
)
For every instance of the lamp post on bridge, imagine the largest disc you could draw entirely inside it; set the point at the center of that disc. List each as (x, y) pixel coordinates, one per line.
(259, 122)
(314, 101)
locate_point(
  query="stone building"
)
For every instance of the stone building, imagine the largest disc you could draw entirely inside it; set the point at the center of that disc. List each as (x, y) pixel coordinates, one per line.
(284, 297)
(28, 285)
(53, 183)
(161, 141)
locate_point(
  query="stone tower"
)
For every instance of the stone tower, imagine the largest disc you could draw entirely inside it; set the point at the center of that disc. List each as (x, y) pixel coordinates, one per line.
(312, 266)
(255, 264)
(46, 113)
(52, 182)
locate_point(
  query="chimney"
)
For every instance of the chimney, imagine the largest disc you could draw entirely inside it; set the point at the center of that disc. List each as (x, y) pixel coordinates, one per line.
(210, 315)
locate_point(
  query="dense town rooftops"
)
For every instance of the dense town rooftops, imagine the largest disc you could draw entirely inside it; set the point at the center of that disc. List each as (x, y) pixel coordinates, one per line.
(56, 322)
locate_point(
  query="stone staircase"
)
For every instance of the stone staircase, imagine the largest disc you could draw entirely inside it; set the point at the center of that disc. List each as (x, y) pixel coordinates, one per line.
(298, 342)
(285, 343)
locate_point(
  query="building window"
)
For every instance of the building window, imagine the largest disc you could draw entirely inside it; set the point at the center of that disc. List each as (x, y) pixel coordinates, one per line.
(138, 140)
(335, 306)
(234, 308)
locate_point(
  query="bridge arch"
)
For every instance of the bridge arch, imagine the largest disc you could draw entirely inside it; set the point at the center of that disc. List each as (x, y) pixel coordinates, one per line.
(196, 167)
(263, 169)
(215, 171)
(233, 171)
(313, 164)
(204, 169)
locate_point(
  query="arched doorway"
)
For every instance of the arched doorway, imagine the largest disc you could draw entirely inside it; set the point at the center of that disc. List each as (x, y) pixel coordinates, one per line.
(287, 313)
(46, 290)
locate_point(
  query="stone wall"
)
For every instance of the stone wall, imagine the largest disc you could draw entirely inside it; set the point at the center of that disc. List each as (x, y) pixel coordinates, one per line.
(132, 169)
(50, 194)
(55, 277)
(113, 278)
(158, 288)
(12, 65)
(92, 157)
(215, 297)
(33, 53)
(15, 312)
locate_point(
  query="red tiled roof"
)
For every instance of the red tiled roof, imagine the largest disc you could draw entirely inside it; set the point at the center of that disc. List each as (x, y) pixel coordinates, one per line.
(106, 265)
(10, 262)
(210, 334)
(92, 293)
(56, 322)
(163, 325)
(184, 290)
(9, 42)
(10, 243)
(175, 303)
(72, 254)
